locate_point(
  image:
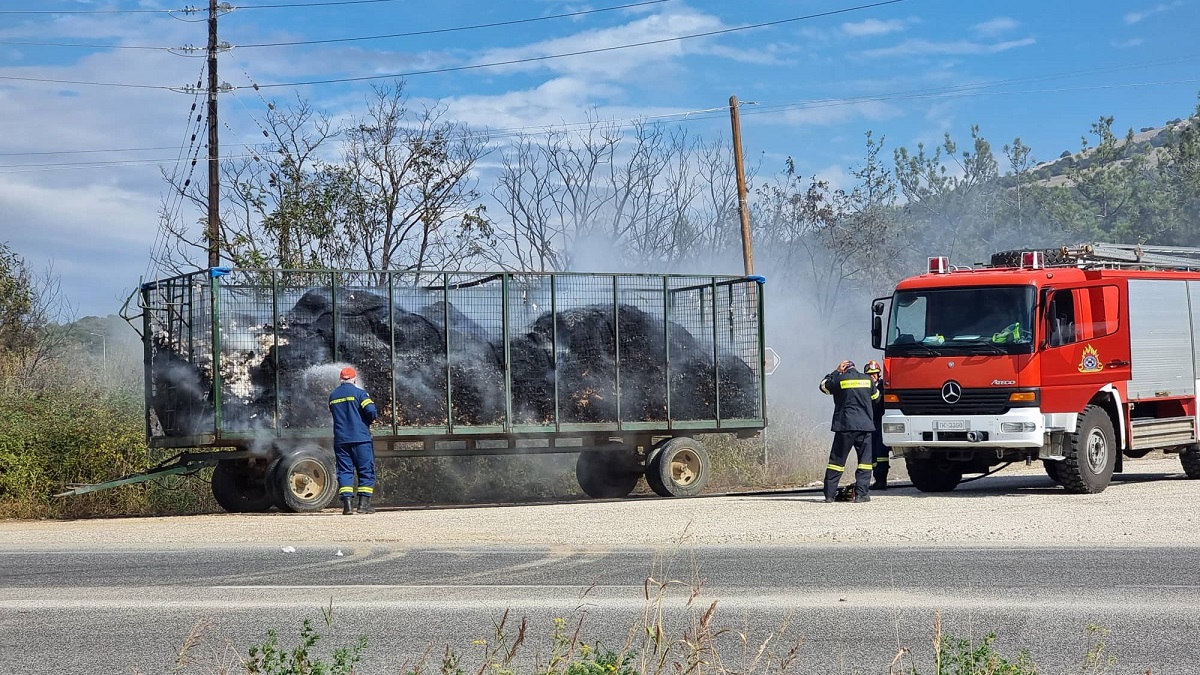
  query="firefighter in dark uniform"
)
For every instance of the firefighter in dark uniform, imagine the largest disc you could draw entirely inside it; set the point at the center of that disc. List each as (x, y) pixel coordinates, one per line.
(881, 451)
(353, 411)
(853, 424)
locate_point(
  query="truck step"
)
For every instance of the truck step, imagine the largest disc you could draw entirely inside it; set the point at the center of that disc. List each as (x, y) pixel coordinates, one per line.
(1163, 433)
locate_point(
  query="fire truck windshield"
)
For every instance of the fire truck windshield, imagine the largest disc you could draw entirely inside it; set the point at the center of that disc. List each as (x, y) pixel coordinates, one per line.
(972, 320)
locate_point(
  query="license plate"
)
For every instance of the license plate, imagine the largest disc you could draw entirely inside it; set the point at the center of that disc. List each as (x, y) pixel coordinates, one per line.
(951, 425)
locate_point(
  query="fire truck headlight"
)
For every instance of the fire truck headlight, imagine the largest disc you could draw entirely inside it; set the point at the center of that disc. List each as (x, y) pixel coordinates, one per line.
(893, 427)
(1017, 427)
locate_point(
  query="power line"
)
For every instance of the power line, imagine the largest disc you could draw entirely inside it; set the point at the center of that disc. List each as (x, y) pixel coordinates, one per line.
(436, 31)
(433, 31)
(96, 11)
(532, 59)
(583, 52)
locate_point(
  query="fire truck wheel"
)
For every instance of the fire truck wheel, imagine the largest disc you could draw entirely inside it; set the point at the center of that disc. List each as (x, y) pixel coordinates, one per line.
(678, 467)
(1190, 459)
(1053, 469)
(1091, 454)
(304, 480)
(605, 475)
(239, 486)
(933, 474)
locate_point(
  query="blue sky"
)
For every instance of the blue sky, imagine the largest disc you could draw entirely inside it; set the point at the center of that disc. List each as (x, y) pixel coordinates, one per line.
(80, 183)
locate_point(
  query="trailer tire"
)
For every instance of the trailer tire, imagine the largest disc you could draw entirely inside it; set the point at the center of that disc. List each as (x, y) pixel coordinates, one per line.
(604, 475)
(932, 474)
(678, 467)
(1190, 459)
(304, 480)
(239, 488)
(1091, 453)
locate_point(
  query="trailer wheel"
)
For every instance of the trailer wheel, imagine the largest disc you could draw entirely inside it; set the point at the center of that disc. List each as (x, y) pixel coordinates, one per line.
(304, 480)
(1190, 459)
(604, 475)
(241, 487)
(933, 474)
(1091, 454)
(679, 467)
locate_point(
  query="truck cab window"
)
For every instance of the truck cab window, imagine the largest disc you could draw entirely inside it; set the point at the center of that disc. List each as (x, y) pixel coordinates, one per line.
(1062, 318)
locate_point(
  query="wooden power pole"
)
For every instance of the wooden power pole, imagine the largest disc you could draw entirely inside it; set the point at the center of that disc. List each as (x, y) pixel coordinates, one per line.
(743, 209)
(214, 177)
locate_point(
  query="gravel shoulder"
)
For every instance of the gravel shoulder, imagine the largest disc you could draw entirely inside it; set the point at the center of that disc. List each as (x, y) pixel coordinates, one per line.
(1150, 504)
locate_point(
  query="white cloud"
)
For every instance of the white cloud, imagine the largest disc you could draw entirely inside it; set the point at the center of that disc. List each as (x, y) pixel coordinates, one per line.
(1142, 15)
(1129, 44)
(994, 27)
(956, 48)
(873, 27)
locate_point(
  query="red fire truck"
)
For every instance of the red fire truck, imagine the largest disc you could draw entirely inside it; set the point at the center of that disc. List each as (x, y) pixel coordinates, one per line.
(1077, 357)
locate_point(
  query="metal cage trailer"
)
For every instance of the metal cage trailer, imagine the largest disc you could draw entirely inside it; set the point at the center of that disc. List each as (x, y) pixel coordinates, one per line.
(1077, 357)
(624, 369)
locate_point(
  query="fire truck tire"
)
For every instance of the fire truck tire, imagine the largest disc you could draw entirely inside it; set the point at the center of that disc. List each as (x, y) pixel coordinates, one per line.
(1091, 454)
(678, 467)
(1190, 459)
(304, 480)
(1053, 468)
(239, 488)
(1050, 256)
(933, 474)
(604, 475)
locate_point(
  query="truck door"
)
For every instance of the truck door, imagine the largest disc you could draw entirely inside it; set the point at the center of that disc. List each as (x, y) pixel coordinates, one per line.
(1084, 347)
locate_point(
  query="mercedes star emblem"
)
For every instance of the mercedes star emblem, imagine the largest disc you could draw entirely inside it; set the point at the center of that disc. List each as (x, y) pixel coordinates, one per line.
(951, 392)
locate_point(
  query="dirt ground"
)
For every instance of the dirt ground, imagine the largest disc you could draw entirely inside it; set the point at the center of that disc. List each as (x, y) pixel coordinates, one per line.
(1149, 504)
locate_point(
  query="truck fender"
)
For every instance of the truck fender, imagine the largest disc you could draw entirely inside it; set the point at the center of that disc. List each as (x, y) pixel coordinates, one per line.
(1110, 399)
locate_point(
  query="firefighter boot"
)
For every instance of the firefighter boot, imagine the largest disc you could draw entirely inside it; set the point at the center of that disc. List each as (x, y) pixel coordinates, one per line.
(346, 506)
(364, 504)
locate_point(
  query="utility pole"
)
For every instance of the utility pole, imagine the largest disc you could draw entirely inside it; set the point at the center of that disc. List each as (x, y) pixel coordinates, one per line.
(743, 209)
(214, 178)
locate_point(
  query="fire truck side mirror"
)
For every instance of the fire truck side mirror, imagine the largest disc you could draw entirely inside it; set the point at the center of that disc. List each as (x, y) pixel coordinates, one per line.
(1043, 313)
(877, 332)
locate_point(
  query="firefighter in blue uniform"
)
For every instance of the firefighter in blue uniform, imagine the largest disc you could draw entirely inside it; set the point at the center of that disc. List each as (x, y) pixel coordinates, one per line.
(353, 411)
(853, 423)
(881, 451)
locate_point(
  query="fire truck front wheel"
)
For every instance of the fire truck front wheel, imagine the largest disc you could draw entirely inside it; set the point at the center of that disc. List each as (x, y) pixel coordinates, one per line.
(1190, 459)
(1091, 453)
(933, 474)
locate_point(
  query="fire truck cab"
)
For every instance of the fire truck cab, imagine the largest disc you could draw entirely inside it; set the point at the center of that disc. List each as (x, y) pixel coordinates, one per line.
(1076, 357)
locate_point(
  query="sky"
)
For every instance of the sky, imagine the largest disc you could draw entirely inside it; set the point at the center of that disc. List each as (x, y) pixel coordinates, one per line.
(95, 101)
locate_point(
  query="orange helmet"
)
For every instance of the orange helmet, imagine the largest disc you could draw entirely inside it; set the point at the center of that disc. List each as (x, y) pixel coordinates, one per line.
(872, 367)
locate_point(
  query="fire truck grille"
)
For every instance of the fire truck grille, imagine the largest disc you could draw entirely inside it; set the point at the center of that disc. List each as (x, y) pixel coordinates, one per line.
(973, 402)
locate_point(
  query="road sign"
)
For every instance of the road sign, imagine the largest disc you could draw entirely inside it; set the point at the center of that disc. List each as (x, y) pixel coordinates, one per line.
(770, 359)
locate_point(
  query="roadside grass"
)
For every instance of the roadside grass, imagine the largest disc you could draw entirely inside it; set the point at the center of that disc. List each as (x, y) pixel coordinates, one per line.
(676, 633)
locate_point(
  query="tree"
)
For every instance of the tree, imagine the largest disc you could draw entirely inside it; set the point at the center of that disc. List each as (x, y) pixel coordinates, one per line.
(30, 308)
(649, 196)
(401, 196)
(415, 202)
(954, 210)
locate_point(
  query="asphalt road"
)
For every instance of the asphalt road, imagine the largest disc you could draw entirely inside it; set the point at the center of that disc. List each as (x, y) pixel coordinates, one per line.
(130, 609)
